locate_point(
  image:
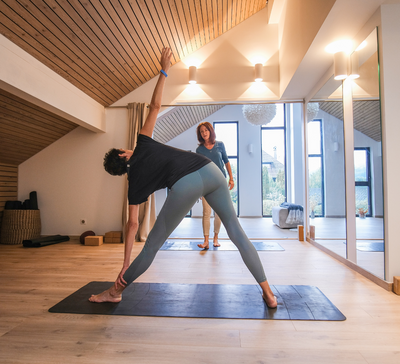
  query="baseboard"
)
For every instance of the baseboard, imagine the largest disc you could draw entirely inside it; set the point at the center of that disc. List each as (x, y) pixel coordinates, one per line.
(388, 286)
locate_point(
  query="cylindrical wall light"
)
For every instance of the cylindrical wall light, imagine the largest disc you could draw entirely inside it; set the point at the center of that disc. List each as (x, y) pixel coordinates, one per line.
(250, 148)
(258, 72)
(335, 146)
(192, 74)
(354, 61)
(340, 65)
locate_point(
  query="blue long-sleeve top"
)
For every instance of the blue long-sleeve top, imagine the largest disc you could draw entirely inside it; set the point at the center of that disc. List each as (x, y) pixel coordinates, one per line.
(217, 154)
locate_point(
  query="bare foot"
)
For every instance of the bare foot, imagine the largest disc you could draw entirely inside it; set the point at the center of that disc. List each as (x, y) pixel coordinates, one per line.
(271, 302)
(216, 240)
(203, 246)
(110, 295)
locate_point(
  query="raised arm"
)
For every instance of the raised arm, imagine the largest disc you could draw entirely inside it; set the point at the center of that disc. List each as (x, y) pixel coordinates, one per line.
(155, 104)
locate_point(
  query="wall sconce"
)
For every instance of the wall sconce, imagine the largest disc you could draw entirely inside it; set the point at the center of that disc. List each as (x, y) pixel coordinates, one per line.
(258, 72)
(354, 69)
(335, 146)
(340, 60)
(250, 148)
(192, 74)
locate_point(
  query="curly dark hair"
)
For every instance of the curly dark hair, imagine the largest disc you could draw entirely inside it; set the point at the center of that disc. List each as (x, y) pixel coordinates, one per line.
(210, 129)
(114, 164)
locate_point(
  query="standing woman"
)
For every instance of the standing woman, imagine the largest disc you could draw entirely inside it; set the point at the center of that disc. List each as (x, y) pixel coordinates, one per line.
(214, 150)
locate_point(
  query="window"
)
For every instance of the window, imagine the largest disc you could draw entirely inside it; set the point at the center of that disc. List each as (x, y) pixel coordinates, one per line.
(273, 161)
(227, 132)
(362, 174)
(315, 168)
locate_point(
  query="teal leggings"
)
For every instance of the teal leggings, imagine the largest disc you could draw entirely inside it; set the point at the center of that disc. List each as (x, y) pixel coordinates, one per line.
(210, 183)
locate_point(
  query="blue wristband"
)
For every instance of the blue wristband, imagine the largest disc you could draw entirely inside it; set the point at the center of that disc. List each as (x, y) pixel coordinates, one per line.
(164, 73)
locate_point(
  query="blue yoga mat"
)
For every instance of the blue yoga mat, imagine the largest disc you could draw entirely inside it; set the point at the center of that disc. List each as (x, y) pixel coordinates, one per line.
(225, 245)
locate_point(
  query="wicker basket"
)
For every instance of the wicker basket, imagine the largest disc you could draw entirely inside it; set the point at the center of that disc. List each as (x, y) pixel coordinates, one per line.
(19, 225)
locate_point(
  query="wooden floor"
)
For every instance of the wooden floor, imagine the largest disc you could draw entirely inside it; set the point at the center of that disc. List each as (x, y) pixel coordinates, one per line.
(33, 280)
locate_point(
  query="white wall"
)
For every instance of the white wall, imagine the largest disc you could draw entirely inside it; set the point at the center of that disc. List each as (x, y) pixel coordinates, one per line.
(71, 182)
(335, 192)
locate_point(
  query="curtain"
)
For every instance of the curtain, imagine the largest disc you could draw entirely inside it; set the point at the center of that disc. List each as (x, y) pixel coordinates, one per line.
(137, 113)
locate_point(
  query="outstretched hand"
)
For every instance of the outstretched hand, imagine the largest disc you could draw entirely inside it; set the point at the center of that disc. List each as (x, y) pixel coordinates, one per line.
(165, 60)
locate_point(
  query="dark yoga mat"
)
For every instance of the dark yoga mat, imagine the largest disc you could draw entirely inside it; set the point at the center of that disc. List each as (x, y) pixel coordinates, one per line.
(47, 240)
(370, 246)
(225, 245)
(204, 301)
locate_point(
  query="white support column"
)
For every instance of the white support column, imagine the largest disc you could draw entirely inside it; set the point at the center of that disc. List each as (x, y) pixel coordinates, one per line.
(389, 56)
(349, 170)
(305, 177)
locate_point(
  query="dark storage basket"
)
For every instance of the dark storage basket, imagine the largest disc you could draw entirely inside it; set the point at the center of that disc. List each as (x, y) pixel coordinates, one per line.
(19, 225)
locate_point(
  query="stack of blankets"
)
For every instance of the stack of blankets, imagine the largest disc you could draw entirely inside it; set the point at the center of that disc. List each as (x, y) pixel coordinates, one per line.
(295, 215)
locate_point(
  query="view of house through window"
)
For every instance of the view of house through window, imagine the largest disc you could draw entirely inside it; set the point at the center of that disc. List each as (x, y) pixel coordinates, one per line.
(273, 162)
(227, 132)
(363, 182)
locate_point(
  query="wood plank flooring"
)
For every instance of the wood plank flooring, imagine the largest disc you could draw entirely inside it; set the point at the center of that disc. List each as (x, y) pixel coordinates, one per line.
(35, 279)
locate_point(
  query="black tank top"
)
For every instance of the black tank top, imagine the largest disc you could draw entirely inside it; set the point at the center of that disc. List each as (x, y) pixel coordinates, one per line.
(154, 166)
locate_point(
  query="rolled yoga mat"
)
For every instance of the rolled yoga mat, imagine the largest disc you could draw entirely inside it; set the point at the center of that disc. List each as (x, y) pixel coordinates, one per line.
(47, 240)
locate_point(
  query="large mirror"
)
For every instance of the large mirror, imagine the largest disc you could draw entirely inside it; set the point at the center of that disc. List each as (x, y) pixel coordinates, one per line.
(326, 169)
(368, 158)
(326, 160)
(264, 144)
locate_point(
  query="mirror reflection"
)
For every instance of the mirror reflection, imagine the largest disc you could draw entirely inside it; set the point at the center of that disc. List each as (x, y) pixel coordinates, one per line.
(326, 159)
(326, 174)
(264, 146)
(368, 159)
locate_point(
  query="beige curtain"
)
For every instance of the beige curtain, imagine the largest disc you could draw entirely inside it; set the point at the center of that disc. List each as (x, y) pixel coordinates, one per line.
(137, 114)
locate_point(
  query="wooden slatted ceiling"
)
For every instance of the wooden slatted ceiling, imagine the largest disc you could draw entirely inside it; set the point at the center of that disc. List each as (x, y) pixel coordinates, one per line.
(109, 48)
(179, 119)
(26, 129)
(366, 115)
(8, 185)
